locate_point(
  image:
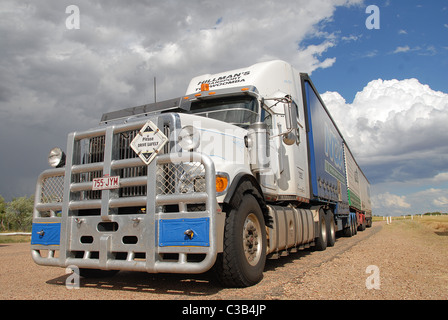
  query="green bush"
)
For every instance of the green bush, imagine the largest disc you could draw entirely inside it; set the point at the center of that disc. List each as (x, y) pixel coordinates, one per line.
(16, 215)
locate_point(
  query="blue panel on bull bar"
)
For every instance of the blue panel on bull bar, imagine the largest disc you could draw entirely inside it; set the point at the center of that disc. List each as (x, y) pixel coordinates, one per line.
(47, 234)
(172, 232)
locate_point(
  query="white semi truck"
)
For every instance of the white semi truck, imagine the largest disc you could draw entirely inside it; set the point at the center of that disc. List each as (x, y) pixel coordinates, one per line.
(246, 166)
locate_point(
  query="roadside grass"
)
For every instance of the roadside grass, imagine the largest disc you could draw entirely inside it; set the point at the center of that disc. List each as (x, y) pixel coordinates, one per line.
(15, 239)
(432, 226)
(437, 223)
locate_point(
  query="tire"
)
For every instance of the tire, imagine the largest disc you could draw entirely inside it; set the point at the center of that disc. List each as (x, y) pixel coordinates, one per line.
(244, 254)
(322, 239)
(331, 228)
(362, 226)
(348, 231)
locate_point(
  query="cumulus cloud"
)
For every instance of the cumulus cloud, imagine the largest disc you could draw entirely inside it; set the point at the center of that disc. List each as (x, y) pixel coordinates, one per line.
(441, 201)
(427, 200)
(351, 38)
(397, 128)
(441, 177)
(390, 204)
(434, 199)
(402, 49)
(390, 200)
(397, 132)
(421, 51)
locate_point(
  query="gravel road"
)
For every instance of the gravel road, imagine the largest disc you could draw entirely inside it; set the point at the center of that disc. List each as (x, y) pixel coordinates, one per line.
(410, 263)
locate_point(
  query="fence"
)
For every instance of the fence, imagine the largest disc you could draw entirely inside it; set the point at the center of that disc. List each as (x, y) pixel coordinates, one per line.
(16, 234)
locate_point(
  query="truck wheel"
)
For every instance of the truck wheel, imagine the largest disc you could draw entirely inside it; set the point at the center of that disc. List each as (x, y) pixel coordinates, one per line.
(331, 228)
(322, 239)
(244, 254)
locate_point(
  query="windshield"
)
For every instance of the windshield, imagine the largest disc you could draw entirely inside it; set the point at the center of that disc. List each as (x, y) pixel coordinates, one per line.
(240, 111)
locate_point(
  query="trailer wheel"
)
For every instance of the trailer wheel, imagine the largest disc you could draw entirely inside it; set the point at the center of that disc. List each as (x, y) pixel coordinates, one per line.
(322, 239)
(349, 231)
(363, 226)
(331, 228)
(352, 227)
(355, 226)
(244, 254)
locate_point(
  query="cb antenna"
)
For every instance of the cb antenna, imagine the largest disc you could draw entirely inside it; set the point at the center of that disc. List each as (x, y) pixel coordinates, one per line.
(155, 90)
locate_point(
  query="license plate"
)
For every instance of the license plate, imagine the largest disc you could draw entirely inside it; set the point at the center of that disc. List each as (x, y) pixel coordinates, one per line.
(106, 183)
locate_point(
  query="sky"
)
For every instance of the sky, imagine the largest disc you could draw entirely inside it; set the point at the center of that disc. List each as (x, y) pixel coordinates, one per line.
(383, 75)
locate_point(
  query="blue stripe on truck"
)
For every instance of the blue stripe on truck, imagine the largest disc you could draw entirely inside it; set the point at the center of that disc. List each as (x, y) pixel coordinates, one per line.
(47, 234)
(172, 232)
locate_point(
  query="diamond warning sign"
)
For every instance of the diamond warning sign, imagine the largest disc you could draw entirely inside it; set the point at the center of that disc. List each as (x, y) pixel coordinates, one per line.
(148, 142)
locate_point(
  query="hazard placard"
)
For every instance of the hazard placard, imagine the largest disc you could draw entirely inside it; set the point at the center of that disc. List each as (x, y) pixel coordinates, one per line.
(148, 142)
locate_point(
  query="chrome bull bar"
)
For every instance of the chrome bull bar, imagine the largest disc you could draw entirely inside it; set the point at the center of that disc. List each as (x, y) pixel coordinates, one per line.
(173, 231)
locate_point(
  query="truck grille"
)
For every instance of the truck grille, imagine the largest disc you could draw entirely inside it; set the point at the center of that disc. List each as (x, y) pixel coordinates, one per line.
(180, 178)
(90, 159)
(92, 151)
(52, 189)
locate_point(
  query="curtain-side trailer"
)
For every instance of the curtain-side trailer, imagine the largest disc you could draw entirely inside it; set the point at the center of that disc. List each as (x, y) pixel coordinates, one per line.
(358, 189)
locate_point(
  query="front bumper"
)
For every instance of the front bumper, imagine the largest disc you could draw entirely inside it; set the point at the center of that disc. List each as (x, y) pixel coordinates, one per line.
(142, 225)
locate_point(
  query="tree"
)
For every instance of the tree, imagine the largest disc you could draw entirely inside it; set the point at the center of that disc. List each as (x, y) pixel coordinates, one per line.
(2, 213)
(437, 213)
(19, 213)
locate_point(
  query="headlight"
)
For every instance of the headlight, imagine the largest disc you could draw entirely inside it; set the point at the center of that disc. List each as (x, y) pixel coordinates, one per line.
(56, 158)
(188, 138)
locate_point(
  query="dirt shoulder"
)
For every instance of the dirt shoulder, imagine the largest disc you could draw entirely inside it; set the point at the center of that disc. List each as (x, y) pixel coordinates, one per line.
(411, 260)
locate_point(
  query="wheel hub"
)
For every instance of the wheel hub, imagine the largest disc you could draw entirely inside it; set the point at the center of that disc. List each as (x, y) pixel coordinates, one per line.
(251, 241)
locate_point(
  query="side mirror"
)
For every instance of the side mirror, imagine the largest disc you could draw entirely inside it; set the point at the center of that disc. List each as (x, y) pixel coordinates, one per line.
(291, 135)
(291, 115)
(290, 138)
